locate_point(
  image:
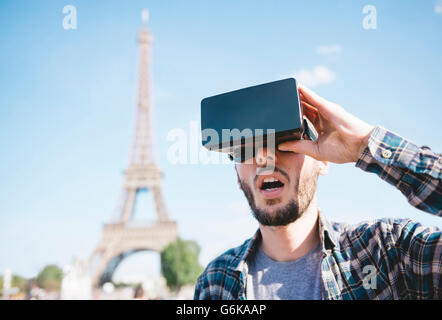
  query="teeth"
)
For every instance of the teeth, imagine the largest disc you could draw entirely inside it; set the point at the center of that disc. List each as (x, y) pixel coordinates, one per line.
(271, 179)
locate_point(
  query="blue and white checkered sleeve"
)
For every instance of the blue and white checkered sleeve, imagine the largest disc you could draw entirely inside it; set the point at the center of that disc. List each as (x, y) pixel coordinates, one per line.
(415, 171)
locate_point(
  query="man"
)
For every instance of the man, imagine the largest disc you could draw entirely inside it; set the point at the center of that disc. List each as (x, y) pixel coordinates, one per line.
(297, 254)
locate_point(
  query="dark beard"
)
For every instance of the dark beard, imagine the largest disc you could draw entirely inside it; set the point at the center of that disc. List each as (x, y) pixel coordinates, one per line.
(287, 214)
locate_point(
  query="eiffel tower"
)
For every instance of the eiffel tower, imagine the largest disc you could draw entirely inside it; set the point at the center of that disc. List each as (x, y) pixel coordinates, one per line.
(124, 236)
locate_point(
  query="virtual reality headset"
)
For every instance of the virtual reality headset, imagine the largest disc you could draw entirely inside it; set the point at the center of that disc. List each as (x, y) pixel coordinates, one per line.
(240, 121)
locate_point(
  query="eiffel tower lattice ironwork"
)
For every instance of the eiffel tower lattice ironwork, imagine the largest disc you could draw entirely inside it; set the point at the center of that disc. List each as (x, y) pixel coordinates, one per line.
(124, 237)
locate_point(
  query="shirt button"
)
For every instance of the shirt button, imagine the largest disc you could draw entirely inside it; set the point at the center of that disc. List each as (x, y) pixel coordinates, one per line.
(386, 154)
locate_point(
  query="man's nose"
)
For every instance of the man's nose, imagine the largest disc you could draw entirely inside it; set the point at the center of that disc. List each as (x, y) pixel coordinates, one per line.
(265, 157)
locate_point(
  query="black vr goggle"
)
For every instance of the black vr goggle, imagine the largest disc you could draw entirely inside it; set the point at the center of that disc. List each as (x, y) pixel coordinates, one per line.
(242, 121)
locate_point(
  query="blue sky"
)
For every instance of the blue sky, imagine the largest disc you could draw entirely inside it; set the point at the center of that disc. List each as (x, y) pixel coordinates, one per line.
(68, 99)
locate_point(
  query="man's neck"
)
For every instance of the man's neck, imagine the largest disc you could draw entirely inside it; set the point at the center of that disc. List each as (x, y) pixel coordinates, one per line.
(293, 241)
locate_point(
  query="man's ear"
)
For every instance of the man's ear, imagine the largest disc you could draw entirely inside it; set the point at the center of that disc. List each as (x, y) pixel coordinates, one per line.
(323, 167)
(237, 178)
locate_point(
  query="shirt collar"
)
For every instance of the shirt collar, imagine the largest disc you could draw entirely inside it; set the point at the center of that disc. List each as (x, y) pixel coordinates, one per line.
(329, 238)
(327, 233)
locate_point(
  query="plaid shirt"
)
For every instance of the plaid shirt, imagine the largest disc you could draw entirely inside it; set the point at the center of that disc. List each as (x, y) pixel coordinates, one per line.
(382, 259)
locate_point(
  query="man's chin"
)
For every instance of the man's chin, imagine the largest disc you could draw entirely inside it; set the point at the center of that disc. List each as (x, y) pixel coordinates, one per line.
(276, 211)
(271, 204)
(274, 206)
(276, 215)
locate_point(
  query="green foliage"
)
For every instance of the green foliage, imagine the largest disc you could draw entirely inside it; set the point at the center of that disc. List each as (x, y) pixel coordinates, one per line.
(179, 263)
(16, 282)
(119, 285)
(50, 278)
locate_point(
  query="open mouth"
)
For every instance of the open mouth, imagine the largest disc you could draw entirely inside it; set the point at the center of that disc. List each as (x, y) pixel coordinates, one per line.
(271, 184)
(270, 187)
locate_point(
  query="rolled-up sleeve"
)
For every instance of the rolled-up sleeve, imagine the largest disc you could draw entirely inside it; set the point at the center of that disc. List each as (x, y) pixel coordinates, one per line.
(415, 171)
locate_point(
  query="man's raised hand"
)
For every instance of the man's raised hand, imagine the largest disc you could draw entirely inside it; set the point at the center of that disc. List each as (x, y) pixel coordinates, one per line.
(342, 136)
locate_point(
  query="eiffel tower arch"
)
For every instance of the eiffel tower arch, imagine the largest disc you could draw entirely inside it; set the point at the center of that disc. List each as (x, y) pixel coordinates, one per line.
(125, 236)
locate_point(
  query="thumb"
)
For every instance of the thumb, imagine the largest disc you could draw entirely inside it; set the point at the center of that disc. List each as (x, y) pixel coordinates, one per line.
(306, 147)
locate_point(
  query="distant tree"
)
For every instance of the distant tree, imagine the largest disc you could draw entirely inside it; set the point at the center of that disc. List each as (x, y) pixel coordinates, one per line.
(50, 278)
(179, 264)
(119, 285)
(16, 282)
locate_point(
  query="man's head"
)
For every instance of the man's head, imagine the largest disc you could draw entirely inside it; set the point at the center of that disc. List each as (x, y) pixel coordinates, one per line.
(279, 196)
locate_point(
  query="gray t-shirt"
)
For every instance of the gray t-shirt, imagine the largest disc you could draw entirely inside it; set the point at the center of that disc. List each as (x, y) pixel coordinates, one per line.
(294, 280)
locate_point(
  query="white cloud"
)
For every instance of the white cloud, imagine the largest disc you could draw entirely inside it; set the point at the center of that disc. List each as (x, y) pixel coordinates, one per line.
(438, 8)
(329, 49)
(319, 75)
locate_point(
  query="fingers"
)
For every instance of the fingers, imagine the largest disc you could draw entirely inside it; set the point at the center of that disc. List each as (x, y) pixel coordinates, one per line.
(310, 96)
(310, 111)
(306, 147)
(315, 100)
